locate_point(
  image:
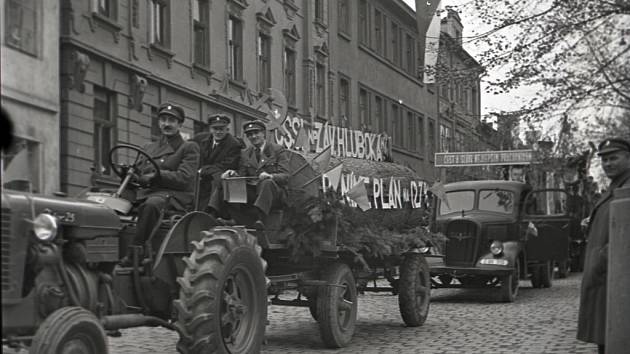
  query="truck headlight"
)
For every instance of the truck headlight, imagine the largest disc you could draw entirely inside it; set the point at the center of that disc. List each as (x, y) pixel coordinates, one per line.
(496, 248)
(45, 227)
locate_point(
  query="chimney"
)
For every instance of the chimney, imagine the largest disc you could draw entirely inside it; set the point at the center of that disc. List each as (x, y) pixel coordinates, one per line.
(452, 25)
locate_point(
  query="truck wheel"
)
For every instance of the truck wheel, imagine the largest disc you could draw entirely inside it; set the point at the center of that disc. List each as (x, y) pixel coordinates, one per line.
(415, 290)
(222, 305)
(563, 269)
(337, 306)
(70, 330)
(546, 274)
(509, 284)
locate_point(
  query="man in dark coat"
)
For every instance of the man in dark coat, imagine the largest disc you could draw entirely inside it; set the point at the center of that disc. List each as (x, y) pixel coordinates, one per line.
(177, 160)
(220, 151)
(615, 157)
(267, 161)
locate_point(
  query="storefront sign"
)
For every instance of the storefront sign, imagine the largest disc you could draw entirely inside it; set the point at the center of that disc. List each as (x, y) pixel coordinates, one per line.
(344, 142)
(484, 158)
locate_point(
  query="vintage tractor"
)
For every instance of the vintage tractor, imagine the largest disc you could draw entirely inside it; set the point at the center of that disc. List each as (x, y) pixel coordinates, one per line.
(63, 289)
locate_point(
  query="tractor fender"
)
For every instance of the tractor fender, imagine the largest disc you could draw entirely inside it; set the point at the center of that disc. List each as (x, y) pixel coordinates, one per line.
(179, 237)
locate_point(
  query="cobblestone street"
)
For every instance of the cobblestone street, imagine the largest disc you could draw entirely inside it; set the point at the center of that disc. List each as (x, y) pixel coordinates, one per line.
(460, 321)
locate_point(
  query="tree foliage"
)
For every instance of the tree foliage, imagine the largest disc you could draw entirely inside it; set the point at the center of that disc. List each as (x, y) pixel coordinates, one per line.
(572, 52)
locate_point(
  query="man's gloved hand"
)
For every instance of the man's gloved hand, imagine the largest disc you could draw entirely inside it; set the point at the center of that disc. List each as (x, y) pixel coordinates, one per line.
(205, 172)
(264, 175)
(146, 179)
(229, 173)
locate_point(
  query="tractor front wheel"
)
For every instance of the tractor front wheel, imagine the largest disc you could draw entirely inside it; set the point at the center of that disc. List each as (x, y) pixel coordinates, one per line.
(222, 305)
(70, 330)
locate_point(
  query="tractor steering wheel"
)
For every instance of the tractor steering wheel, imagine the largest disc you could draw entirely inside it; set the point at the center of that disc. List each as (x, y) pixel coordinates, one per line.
(122, 170)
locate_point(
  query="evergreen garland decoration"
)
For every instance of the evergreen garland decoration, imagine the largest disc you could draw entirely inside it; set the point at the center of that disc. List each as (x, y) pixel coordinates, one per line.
(374, 233)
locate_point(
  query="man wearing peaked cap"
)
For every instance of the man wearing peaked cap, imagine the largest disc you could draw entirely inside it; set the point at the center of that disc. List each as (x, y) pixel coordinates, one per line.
(177, 160)
(172, 110)
(267, 161)
(220, 151)
(615, 159)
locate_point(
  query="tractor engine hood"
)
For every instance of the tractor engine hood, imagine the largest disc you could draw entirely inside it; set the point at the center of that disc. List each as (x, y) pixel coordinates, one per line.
(92, 219)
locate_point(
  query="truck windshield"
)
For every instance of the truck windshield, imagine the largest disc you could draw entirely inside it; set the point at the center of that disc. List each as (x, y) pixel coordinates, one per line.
(457, 201)
(496, 200)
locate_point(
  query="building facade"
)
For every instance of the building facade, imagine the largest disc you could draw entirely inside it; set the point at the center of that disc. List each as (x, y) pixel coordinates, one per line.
(30, 91)
(458, 81)
(346, 63)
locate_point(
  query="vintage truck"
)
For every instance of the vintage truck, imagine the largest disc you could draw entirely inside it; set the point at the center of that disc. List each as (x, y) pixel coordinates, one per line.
(499, 232)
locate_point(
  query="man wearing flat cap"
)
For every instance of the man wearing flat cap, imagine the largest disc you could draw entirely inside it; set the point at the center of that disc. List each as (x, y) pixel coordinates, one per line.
(267, 161)
(177, 160)
(615, 159)
(220, 151)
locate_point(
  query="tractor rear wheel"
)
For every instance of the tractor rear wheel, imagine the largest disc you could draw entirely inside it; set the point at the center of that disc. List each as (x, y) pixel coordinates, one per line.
(415, 290)
(337, 306)
(222, 305)
(70, 330)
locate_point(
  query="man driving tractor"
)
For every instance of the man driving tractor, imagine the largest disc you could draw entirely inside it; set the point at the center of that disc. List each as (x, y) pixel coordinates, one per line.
(172, 186)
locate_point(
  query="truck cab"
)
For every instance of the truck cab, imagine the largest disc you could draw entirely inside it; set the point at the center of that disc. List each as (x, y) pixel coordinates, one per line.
(499, 232)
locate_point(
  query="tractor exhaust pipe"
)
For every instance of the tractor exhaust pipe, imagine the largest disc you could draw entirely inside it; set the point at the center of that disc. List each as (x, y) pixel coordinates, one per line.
(115, 322)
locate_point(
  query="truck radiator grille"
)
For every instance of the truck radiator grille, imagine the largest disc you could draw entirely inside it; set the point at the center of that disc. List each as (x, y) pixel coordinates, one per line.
(6, 249)
(461, 247)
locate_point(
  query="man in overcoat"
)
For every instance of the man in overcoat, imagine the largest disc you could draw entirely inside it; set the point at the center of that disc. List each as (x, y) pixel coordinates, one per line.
(177, 160)
(615, 158)
(220, 151)
(268, 162)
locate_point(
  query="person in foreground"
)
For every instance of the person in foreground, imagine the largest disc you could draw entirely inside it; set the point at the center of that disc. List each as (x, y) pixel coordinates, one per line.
(177, 160)
(615, 159)
(268, 162)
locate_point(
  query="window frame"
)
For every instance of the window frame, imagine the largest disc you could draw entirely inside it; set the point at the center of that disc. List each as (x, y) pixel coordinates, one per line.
(9, 24)
(263, 60)
(159, 24)
(235, 47)
(108, 99)
(201, 25)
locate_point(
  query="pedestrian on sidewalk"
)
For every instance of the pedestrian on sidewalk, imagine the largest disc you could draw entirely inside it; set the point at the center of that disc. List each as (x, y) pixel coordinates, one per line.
(615, 158)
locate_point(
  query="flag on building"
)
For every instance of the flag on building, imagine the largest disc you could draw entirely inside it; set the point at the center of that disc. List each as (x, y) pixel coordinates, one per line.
(358, 194)
(428, 20)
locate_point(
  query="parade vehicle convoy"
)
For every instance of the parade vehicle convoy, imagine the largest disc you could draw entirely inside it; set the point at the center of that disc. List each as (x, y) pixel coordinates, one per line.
(63, 289)
(499, 232)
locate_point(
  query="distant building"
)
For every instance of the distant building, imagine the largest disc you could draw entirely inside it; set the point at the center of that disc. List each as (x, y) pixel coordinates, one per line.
(348, 63)
(458, 79)
(30, 90)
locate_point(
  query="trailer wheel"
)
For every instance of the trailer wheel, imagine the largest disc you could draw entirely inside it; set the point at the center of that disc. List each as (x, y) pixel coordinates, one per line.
(337, 306)
(509, 284)
(70, 330)
(222, 305)
(415, 290)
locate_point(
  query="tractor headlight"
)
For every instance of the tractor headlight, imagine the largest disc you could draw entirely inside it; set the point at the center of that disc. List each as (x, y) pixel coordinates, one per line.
(496, 248)
(45, 227)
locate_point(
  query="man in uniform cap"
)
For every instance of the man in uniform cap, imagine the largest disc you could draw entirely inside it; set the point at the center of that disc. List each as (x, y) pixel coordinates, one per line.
(220, 151)
(177, 160)
(615, 158)
(267, 161)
